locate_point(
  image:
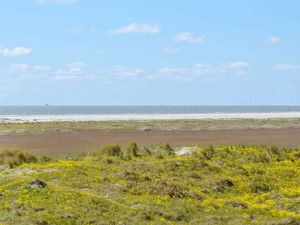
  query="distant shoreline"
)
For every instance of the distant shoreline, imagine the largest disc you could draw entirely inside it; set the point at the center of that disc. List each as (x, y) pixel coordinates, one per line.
(142, 117)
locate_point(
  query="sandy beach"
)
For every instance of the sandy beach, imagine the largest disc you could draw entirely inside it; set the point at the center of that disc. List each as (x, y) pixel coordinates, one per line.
(137, 117)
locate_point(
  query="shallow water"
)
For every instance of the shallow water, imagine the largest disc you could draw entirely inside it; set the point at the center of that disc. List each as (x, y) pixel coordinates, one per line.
(117, 110)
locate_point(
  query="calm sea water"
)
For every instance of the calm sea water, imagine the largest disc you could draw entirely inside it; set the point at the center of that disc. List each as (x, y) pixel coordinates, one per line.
(117, 110)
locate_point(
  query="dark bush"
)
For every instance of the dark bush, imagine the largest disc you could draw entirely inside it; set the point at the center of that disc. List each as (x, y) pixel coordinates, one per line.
(259, 186)
(172, 188)
(208, 152)
(169, 150)
(220, 186)
(112, 150)
(45, 159)
(132, 149)
(162, 151)
(14, 158)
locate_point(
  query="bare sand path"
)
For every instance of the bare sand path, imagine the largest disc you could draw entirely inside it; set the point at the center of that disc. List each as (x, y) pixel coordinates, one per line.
(86, 140)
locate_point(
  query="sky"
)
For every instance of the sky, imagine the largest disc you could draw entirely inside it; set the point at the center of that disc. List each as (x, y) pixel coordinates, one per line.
(141, 52)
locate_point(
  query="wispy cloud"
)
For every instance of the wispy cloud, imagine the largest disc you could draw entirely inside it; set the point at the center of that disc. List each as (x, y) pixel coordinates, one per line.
(170, 50)
(17, 67)
(286, 67)
(238, 65)
(77, 65)
(41, 68)
(75, 71)
(135, 28)
(72, 72)
(73, 75)
(274, 40)
(26, 68)
(56, 2)
(211, 71)
(79, 71)
(17, 51)
(188, 37)
(121, 71)
(81, 29)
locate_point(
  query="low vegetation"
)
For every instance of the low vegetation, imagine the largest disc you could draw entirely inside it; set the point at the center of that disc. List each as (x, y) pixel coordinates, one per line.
(148, 125)
(153, 185)
(14, 158)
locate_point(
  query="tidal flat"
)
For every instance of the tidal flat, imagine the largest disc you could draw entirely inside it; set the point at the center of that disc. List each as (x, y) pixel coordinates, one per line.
(69, 137)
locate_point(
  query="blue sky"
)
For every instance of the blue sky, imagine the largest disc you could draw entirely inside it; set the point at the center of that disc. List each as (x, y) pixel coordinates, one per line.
(140, 52)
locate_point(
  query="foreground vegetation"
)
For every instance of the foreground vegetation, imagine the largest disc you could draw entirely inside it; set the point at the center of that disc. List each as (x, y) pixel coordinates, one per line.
(153, 185)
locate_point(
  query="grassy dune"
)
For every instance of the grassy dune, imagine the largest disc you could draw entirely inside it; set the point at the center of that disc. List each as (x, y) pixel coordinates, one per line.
(153, 185)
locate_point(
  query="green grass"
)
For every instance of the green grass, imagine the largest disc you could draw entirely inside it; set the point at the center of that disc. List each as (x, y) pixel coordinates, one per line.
(153, 185)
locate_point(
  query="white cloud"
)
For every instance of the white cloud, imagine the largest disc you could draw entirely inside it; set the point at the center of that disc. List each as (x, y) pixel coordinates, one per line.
(79, 71)
(274, 40)
(121, 71)
(135, 28)
(170, 50)
(26, 68)
(78, 65)
(17, 51)
(73, 72)
(56, 2)
(188, 37)
(80, 30)
(284, 66)
(16, 67)
(212, 71)
(196, 70)
(41, 68)
(75, 67)
(238, 65)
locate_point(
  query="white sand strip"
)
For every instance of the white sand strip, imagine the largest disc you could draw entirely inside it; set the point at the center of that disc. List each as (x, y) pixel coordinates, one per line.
(124, 117)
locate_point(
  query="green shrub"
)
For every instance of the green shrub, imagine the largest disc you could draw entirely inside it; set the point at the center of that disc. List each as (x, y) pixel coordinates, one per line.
(173, 188)
(112, 150)
(132, 149)
(259, 185)
(162, 151)
(14, 158)
(169, 150)
(208, 152)
(45, 159)
(222, 185)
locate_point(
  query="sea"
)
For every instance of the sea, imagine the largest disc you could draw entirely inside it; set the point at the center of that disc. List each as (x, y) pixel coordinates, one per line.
(91, 113)
(94, 110)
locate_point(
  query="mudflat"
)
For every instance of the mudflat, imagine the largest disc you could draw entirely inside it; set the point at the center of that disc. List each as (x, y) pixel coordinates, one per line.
(87, 139)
